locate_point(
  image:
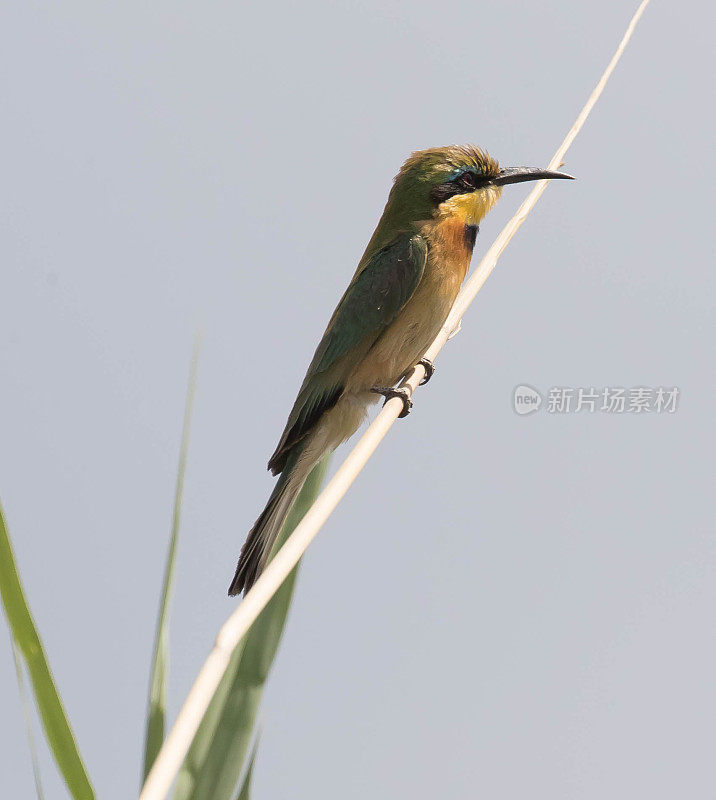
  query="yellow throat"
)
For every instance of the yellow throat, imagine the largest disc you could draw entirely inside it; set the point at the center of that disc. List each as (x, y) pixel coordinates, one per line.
(471, 208)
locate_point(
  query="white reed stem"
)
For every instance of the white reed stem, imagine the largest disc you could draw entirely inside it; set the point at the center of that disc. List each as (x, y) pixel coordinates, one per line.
(180, 737)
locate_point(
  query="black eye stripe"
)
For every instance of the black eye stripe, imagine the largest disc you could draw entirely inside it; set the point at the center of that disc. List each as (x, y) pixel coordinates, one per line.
(461, 184)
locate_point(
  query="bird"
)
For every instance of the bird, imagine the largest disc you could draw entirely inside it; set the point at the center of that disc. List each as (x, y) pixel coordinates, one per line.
(399, 298)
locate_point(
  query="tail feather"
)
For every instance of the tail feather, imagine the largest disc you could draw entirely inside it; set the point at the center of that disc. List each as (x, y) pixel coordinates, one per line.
(257, 547)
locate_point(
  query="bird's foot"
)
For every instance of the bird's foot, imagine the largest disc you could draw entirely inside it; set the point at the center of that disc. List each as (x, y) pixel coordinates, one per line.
(389, 393)
(429, 370)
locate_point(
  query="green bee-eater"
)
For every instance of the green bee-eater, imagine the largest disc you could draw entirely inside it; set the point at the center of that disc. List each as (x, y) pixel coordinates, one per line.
(398, 300)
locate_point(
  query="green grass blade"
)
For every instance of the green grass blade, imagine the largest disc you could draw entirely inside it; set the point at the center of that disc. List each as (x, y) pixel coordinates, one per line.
(156, 710)
(27, 715)
(54, 720)
(216, 758)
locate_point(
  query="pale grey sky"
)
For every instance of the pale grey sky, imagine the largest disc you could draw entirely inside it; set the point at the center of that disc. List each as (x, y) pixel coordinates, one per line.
(503, 606)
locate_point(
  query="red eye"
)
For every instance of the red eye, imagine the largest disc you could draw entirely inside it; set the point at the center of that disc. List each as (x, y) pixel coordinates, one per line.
(467, 180)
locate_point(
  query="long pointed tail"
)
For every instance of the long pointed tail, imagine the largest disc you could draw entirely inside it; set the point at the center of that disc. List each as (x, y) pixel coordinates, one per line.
(257, 547)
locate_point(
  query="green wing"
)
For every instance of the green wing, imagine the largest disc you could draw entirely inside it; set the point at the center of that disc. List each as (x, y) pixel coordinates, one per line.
(372, 301)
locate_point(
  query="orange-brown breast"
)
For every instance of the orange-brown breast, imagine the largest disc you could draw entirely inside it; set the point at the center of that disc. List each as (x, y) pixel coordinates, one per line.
(451, 241)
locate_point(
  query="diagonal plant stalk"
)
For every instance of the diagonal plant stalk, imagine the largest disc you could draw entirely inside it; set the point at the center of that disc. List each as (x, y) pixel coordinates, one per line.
(157, 701)
(54, 719)
(178, 741)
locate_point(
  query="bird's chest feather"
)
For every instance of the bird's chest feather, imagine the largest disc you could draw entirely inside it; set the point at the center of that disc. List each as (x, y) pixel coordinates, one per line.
(450, 244)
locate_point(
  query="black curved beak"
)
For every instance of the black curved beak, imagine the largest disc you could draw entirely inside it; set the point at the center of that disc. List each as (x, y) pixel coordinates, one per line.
(520, 174)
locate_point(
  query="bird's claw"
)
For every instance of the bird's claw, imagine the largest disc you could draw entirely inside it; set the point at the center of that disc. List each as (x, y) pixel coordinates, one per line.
(429, 370)
(389, 393)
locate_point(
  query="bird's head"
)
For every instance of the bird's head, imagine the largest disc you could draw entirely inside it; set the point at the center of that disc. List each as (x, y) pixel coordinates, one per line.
(462, 182)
